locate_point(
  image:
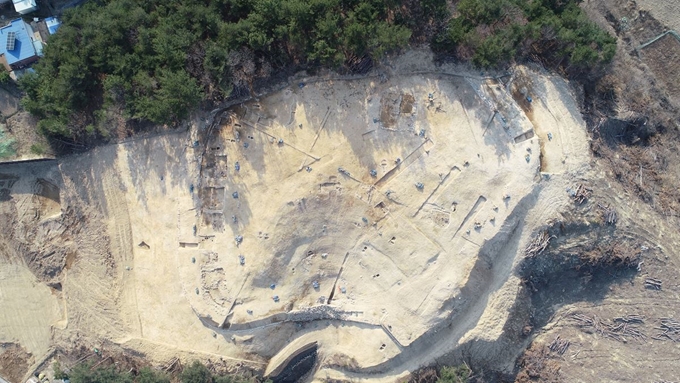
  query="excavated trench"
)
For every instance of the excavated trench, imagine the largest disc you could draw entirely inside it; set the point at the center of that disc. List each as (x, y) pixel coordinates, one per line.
(299, 365)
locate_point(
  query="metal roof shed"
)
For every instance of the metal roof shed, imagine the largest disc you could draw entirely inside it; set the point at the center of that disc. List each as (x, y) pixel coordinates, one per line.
(16, 45)
(52, 24)
(24, 6)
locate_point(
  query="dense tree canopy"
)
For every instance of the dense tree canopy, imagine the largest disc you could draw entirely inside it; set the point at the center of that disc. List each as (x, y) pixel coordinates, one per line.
(156, 60)
(491, 32)
(194, 373)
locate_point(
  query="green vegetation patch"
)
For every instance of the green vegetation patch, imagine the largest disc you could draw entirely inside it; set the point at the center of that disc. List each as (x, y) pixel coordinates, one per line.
(119, 61)
(557, 32)
(7, 145)
(156, 60)
(194, 373)
(459, 374)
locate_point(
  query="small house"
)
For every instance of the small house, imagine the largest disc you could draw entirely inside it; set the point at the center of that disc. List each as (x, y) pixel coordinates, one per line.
(45, 28)
(24, 6)
(52, 24)
(19, 46)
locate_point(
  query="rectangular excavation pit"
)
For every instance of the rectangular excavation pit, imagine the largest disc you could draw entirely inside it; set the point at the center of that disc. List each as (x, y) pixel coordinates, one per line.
(212, 198)
(215, 166)
(221, 161)
(525, 136)
(213, 221)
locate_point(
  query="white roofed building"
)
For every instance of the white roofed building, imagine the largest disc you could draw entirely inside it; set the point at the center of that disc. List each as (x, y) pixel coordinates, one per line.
(24, 6)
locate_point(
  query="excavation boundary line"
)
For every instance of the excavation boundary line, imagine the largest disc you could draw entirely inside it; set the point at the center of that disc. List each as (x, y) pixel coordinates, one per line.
(659, 37)
(28, 161)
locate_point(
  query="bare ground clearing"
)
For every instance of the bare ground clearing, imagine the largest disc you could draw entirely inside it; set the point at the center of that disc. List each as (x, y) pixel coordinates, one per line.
(361, 227)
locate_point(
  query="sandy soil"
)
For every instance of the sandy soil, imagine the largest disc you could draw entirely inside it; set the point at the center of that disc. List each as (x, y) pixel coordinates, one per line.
(666, 11)
(384, 274)
(29, 309)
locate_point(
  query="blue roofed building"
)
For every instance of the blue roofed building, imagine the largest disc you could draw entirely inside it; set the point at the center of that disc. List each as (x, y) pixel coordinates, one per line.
(19, 46)
(52, 24)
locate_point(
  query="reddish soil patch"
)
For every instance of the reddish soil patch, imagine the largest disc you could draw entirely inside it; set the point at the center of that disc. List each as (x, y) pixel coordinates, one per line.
(389, 109)
(407, 101)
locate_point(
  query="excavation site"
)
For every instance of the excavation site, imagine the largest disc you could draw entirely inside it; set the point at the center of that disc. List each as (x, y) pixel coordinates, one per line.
(356, 228)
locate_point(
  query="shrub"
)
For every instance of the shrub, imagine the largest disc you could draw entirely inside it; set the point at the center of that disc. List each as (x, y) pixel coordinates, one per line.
(4, 77)
(498, 32)
(56, 367)
(196, 373)
(39, 150)
(158, 60)
(7, 145)
(83, 373)
(147, 375)
(459, 374)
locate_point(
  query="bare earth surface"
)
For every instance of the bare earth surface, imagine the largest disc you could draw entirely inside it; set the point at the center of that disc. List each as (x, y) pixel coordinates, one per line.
(268, 232)
(382, 220)
(666, 11)
(624, 336)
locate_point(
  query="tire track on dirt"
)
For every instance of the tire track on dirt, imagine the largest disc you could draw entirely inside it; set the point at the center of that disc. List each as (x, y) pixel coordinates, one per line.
(120, 232)
(89, 291)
